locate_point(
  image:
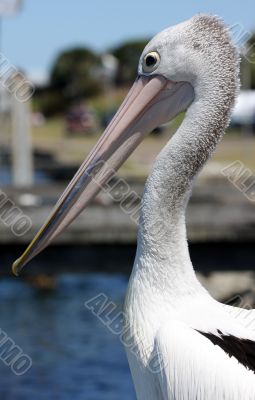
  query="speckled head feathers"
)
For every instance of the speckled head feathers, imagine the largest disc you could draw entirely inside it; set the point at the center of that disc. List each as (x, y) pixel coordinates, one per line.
(200, 51)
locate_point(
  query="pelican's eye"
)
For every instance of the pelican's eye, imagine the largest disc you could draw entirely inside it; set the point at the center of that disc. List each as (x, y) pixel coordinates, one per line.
(151, 61)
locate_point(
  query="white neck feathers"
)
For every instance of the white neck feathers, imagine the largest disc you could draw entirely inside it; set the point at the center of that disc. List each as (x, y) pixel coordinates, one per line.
(162, 244)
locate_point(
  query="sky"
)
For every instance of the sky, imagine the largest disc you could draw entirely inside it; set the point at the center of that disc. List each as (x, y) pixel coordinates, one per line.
(32, 39)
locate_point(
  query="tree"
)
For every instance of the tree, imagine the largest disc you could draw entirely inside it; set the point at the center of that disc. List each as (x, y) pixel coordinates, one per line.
(248, 65)
(128, 55)
(74, 74)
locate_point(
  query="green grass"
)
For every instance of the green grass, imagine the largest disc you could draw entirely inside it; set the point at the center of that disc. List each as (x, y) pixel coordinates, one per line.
(74, 148)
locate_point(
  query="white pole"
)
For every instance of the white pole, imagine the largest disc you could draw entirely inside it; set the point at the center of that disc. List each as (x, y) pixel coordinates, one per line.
(22, 158)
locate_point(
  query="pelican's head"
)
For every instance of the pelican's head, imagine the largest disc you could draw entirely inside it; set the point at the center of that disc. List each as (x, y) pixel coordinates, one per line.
(173, 65)
(198, 51)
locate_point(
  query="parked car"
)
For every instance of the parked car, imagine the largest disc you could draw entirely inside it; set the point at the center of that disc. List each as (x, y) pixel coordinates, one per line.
(79, 119)
(244, 111)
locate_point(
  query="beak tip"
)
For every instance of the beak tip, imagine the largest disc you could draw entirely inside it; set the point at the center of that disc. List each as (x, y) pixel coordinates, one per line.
(16, 267)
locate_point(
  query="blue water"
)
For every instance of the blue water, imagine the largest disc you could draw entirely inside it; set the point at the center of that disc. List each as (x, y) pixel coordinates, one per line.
(74, 356)
(6, 176)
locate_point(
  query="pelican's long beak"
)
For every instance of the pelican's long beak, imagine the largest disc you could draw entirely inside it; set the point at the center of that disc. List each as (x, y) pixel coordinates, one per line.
(151, 102)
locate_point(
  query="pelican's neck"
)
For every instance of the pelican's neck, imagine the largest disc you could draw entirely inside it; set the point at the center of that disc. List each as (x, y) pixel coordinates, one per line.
(162, 253)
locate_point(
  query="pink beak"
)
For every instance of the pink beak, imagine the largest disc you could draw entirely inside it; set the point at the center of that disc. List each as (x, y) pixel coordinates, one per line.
(151, 102)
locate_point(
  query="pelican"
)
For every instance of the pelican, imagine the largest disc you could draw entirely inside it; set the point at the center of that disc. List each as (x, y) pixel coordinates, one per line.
(181, 343)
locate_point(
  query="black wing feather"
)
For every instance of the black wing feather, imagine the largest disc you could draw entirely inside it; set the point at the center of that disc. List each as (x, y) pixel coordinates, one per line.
(242, 349)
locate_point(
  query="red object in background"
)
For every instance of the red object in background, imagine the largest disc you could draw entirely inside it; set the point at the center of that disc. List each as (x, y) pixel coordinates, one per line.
(79, 120)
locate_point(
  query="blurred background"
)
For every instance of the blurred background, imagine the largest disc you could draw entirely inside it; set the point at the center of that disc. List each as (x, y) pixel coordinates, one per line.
(65, 67)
